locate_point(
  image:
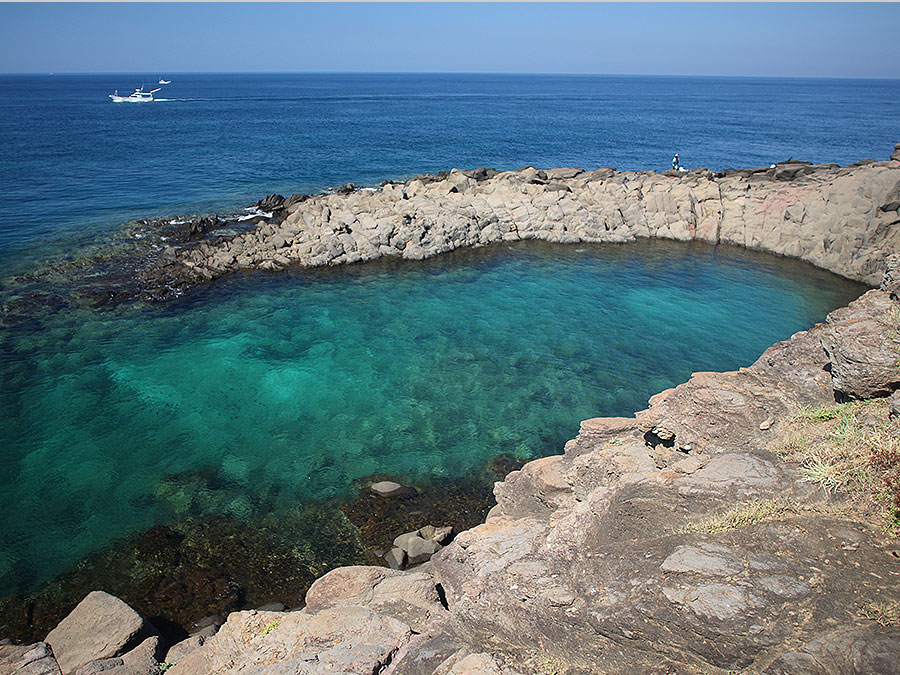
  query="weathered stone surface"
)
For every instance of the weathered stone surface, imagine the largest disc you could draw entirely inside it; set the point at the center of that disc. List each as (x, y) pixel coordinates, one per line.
(854, 649)
(36, 659)
(181, 650)
(863, 345)
(101, 626)
(410, 597)
(139, 661)
(338, 640)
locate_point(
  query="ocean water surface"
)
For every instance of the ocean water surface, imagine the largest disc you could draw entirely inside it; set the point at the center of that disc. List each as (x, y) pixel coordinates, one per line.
(287, 387)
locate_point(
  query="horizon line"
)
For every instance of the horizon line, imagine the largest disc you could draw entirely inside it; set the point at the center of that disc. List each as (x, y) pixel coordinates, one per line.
(423, 72)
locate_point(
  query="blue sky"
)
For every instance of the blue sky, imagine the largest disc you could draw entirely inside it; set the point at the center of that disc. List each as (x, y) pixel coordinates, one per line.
(762, 39)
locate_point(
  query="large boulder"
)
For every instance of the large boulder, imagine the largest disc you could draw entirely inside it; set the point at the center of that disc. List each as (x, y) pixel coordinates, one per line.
(410, 597)
(36, 659)
(338, 640)
(100, 627)
(863, 346)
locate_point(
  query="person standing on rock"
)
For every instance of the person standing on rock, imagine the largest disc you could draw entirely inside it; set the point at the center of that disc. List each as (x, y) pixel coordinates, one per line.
(675, 163)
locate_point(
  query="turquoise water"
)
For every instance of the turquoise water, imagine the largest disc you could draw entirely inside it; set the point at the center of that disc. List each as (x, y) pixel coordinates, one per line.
(284, 388)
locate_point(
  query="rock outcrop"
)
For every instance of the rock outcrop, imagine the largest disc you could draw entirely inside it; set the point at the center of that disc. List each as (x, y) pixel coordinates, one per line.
(843, 219)
(674, 541)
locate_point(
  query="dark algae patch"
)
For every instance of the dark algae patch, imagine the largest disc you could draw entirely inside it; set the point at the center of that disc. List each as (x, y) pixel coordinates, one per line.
(177, 574)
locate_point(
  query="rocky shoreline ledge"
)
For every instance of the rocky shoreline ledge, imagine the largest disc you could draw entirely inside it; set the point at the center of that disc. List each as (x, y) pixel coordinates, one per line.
(689, 538)
(838, 218)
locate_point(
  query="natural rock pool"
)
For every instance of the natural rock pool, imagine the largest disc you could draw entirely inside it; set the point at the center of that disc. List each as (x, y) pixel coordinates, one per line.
(267, 391)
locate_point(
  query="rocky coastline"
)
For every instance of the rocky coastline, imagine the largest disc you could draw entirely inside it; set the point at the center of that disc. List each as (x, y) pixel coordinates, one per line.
(837, 218)
(685, 539)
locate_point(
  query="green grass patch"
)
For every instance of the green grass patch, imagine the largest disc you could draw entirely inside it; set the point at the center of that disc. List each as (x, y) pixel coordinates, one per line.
(270, 627)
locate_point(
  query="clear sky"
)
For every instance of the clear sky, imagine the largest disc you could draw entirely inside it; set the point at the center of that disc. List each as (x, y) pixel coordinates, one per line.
(764, 39)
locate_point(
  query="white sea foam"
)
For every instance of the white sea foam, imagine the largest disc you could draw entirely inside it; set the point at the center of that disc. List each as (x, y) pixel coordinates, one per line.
(176, 221)
(256, 213)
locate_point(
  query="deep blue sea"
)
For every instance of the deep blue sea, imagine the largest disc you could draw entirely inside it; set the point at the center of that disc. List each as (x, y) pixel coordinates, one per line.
(288, 387)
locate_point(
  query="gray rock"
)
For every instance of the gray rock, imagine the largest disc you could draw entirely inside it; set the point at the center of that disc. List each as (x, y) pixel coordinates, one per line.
(420, 550)
(410, 597)
(100, 627)
(210, 620)
(895, 155)
(708, 559)
(425, 653)
(402, 541)
(34, 659)
(396, 558)
(441, 534)
(387, 488)
(894, 411)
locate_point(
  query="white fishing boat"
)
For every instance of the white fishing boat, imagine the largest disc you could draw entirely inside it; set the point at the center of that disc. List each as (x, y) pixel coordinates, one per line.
(139, 96)
(162, 81)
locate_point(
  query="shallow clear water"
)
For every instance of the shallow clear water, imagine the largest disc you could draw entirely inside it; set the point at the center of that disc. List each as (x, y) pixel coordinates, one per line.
(287, 387)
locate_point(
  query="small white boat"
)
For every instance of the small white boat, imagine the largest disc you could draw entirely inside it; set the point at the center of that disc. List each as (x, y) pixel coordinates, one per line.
(139, 96)
(165, 81)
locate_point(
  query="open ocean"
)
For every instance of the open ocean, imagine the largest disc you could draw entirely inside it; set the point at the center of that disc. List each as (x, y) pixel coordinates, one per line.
(263, 392)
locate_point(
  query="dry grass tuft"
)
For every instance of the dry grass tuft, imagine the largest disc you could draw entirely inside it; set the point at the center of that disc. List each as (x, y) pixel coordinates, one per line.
(739, 516)
(852, 449)
(884, 613)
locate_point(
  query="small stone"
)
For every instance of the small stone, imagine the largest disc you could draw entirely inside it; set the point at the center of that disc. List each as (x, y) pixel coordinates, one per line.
(210, 620)
(387, 488)
(767, 423)
(402, 541)
(421, 550)
(427, 532)
(894, 412)
(396, 558)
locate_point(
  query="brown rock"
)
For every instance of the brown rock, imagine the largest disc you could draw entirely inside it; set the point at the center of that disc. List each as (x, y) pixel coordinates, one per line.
(36, 659)
(139, 661)
(863, 346)
(101, 626)
(340, 640)
(410, 597)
